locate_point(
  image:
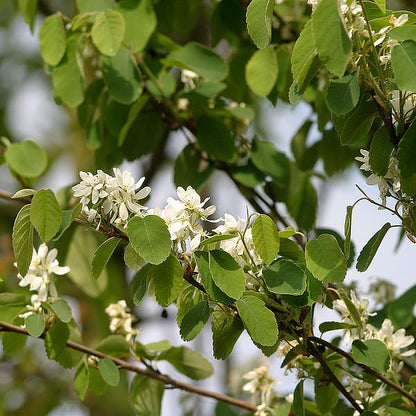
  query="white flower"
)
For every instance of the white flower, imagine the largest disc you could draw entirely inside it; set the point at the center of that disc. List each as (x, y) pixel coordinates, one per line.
(231, 225)
(259, 381)
(34, 307)
(192, 201)
(365, 160)
(121, 320)
(92, 187)
(398, 21)
(41, 270)
(182, 104)
(382, 184)
(189, 78)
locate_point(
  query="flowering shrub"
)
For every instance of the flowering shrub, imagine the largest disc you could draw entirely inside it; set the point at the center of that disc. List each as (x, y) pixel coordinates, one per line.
(354, 63)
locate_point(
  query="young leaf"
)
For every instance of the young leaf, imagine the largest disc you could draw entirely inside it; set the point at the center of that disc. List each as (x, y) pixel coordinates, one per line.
(81, 379)
(194, 320)
(407, 148)
(347, 232)
(45, 214)
(114, 345)
(27, 159)
(90, 6)
(258, 320)
(22, 239)
(139, 284)
(285, 278)
(259, 21)
(121, 77)
(333, 326)
(67, 77)
(403, 61)
(370, 249)
(325, 260)
(167, 279)
(52, 39)
(150, 238)
(108, 31)
(102, 255)
(55, 340)
(62, 310)
(226, 329)
(343, 94)
(380, 151)
(227, 274)
(214, 292)
(266, 238)
(35, 324)
(262, 71)
(298, 406)
(140, 20)
(146, 396)
(109, 372)
(373, 353)
(381, 5)
(188, 362)
(352, 309)
(200, 59)
(132, 259)
(28, 9)
(332, 41)
(13, 342)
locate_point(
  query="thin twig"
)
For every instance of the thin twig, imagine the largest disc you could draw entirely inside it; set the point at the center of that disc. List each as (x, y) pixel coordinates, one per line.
(365, 368)
(156, 376)
(332, 377)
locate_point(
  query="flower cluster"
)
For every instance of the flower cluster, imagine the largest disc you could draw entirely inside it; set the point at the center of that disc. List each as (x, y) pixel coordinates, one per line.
(116, 197)
(259, 382)
(39, 277)
(121, 320)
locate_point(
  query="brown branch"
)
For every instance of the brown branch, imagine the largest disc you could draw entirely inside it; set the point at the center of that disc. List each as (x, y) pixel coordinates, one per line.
(332, 377)
(365, 368)
(156, 376)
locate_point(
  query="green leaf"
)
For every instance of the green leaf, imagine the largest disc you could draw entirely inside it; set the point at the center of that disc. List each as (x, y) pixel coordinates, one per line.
(188, 362)
(28, 9)
(298, 406)
(27, 159)
(403, 33)
(146, 396)
(262, 71)
(55, 340)
(259, 321)
(23, 193)
(332, 41)
(284, 277)
(194, 320)
(333, 326)
(139, 284)
(215, 138)
(380, 151)
(343, 94)
(213, 291)
(140, 20)
(347, 232)
(102, 255)
(226, 329)
(407, 148)
(373, 353)
(403, 61)
(266, 238)
(381, 5)
(370, 249)
(167, 279)
(325, 260)
(150, 237)
(109, 372)
(259, 21)
(200, 59)
(400, 310)
(45, 214)
(52, 39)
(227, 274)
(67, 77)
(90, 6)
(22, 239)
(303, 54)
(68, 216)
(355, 126)
(114, 345)
(35, 324)
(13, 342)
(132, 259)
(123, 80)
(108, 31)
(81, 379)
(270, 161)
(62, 310)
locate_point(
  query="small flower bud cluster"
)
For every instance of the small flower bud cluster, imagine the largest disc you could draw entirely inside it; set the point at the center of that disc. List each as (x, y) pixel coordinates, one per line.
(121, 320)
(116, 197)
